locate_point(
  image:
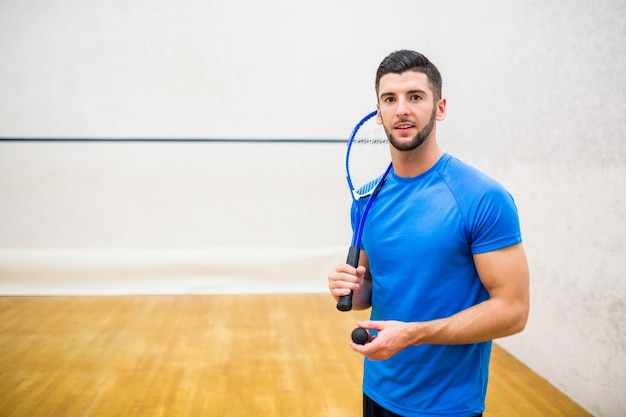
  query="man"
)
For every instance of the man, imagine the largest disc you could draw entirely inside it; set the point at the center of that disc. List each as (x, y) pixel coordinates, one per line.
(442, 265)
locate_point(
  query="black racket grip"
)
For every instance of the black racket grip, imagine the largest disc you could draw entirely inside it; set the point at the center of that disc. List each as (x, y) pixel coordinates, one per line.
(345, 301)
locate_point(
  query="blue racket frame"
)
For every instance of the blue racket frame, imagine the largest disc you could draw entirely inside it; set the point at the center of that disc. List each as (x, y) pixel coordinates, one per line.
(345, 302)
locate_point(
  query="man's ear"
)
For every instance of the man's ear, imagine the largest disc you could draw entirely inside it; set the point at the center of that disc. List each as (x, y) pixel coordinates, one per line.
(441, 110)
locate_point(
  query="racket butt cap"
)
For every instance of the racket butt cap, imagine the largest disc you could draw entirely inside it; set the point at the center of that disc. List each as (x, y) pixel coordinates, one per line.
(345, 303)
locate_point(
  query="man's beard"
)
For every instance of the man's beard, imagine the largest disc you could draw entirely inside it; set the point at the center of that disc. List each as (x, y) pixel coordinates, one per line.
(418, 139)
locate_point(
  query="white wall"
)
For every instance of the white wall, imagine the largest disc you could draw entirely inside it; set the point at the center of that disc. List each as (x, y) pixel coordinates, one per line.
(536, 98)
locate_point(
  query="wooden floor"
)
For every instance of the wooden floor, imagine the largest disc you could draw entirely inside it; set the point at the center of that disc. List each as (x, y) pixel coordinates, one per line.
(258, 355)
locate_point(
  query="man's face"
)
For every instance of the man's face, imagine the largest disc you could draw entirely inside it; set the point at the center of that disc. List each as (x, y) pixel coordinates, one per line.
(407, 110)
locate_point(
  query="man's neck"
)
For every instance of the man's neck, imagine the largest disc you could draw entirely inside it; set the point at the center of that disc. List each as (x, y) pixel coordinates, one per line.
(416, 162)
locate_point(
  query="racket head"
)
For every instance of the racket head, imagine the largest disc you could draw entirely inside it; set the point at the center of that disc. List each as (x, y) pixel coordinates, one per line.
(367, 156)
(368, 162)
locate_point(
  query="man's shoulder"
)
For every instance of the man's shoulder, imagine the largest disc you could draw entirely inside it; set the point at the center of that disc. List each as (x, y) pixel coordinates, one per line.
(458, 173)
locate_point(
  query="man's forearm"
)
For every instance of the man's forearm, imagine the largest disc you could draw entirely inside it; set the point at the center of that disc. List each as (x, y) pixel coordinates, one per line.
(362, 298)
(489, 320)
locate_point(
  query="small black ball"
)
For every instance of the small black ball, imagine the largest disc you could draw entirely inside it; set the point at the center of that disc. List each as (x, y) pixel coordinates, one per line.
(360, 336)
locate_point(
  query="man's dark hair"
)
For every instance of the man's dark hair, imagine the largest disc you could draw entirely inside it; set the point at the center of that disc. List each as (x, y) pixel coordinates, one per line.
(405, 60)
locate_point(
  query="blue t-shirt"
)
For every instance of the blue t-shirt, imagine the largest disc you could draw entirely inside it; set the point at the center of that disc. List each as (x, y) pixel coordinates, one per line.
(419, 236)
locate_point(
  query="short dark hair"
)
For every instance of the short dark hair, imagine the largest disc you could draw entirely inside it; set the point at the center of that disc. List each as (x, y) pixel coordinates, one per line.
(404, 60)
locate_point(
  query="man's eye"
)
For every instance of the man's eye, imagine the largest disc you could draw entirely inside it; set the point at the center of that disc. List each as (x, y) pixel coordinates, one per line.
(389, 99)
(416, 98)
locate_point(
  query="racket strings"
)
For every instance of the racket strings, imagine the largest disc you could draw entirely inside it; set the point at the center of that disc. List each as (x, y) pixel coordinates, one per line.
(368, 157)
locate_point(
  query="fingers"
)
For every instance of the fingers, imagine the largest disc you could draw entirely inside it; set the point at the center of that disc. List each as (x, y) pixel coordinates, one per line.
(371, 350)
(371, 325)
(360, 271)
(384, 343)
(375, 349)
(345, 278)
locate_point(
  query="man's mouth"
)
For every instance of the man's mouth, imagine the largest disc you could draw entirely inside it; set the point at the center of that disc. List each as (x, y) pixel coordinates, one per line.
(403, 125)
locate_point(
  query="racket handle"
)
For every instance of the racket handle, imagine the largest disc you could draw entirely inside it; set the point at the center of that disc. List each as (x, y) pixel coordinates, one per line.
(345, 301)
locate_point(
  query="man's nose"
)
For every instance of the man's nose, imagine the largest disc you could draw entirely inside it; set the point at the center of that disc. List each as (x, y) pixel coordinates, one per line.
(402, 109)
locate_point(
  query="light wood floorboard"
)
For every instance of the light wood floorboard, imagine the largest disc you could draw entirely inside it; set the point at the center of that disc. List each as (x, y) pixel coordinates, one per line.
(209, 355)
